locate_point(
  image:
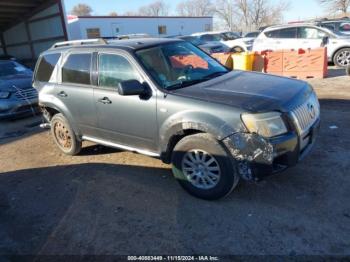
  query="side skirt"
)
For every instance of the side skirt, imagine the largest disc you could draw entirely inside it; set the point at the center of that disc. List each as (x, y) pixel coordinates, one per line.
(128, 148)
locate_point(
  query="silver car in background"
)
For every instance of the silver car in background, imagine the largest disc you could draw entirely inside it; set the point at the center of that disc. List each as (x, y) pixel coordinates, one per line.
(17, 96)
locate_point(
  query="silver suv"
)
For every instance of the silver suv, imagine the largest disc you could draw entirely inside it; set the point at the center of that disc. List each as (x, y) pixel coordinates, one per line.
(168, 99)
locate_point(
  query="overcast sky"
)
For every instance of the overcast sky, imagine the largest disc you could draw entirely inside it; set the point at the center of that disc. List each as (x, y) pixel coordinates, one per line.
(299, 9)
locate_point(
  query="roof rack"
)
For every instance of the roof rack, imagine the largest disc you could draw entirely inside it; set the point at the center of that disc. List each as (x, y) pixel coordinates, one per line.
(80, 42)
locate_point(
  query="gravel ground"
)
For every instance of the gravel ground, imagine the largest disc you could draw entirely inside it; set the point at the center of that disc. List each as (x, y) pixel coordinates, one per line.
(106, 201)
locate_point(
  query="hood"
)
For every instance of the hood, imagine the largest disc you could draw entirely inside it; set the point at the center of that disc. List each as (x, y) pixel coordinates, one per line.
(254, 92)
(11, 83)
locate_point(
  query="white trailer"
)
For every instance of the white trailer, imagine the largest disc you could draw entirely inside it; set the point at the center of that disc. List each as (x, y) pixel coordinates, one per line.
(85, 27)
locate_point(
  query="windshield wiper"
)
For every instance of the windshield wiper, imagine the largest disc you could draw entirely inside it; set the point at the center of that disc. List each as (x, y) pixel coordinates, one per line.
(184, 84)
(194, 81)
(214, 75)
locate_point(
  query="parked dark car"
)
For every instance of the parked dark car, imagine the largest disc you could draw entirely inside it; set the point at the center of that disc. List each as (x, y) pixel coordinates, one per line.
(340, 26)
(17, 96)
(208, 47)
(252, 34)
(167, 98)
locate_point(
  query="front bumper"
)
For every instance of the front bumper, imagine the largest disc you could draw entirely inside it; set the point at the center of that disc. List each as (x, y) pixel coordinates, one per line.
(12, 108)
(258, 157)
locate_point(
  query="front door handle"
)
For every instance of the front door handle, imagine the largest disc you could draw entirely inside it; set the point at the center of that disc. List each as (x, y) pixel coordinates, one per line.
(105, 100)
(62, 94)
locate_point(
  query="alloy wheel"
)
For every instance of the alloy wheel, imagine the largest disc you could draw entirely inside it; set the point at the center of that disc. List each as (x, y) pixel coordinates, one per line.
(343, 58)
(201, 169)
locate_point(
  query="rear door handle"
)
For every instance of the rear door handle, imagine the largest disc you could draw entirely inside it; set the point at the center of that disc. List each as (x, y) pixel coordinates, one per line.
(105, 100)
(62, 94)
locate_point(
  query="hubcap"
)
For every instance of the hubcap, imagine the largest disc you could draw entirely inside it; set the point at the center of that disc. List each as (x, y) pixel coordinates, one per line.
(343, 58)
(62, 135)
(201, 169)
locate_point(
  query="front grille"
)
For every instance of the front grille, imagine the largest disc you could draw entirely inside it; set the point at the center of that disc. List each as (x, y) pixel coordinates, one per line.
(25, 94)
(306, 114)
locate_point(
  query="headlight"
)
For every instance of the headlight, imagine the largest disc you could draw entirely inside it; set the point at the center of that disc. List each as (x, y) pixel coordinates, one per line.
(267, 124)
(250, 42)
(4, 95)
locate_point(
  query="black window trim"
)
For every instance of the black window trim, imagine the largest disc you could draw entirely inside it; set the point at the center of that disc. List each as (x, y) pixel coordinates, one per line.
(64, 60)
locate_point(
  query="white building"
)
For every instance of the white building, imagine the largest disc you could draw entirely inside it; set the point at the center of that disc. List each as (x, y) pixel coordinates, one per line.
(84, 27)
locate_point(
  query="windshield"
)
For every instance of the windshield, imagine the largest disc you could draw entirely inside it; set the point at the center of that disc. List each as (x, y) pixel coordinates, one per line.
(252, 34)
(230, 36)
(11, 68)
(178, 65)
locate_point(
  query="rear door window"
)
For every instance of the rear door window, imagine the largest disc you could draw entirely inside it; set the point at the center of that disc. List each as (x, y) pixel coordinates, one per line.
(273, 34)
(46, 67)
(288, 33)
(77, 69)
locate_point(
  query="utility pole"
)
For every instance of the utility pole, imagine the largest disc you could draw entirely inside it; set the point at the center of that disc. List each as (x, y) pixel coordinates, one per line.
(231, 14)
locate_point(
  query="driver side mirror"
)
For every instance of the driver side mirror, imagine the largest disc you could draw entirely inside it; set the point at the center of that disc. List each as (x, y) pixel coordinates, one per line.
(131, 88)
(325, 41)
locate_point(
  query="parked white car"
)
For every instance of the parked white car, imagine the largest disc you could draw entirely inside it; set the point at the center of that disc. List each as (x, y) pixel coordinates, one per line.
(233, 40)
(295, 36)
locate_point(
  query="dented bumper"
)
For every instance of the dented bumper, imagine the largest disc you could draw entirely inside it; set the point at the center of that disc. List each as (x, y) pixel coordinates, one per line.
(258, 157)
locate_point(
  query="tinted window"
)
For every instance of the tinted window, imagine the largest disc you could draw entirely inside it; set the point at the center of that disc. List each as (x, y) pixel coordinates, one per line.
(273, 34)
(210, 38)
(329, 26)
(310, 33)
(288, 33)
(114, 69)
(46, 67)
(252, 34)
(76, 69)
(230, 36)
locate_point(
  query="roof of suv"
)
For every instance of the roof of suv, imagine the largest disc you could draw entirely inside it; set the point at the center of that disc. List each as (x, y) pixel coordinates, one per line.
(289, 25)
(127, 44)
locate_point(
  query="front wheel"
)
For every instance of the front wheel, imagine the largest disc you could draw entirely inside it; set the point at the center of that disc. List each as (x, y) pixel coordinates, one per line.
(342, 57)
(203, 167)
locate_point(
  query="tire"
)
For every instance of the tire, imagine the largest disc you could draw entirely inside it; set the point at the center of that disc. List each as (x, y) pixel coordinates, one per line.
(196, 178)
(342, 57)
(64, 136)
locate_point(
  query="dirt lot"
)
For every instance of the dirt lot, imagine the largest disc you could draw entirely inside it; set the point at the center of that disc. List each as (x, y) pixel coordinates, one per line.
(105, 201)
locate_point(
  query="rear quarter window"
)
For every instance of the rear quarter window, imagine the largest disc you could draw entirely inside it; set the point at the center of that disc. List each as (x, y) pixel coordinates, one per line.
(46, 67)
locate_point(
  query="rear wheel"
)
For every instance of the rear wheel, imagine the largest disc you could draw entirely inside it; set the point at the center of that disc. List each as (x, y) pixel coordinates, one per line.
(342, 57)
(203, 167)
(64, 136)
